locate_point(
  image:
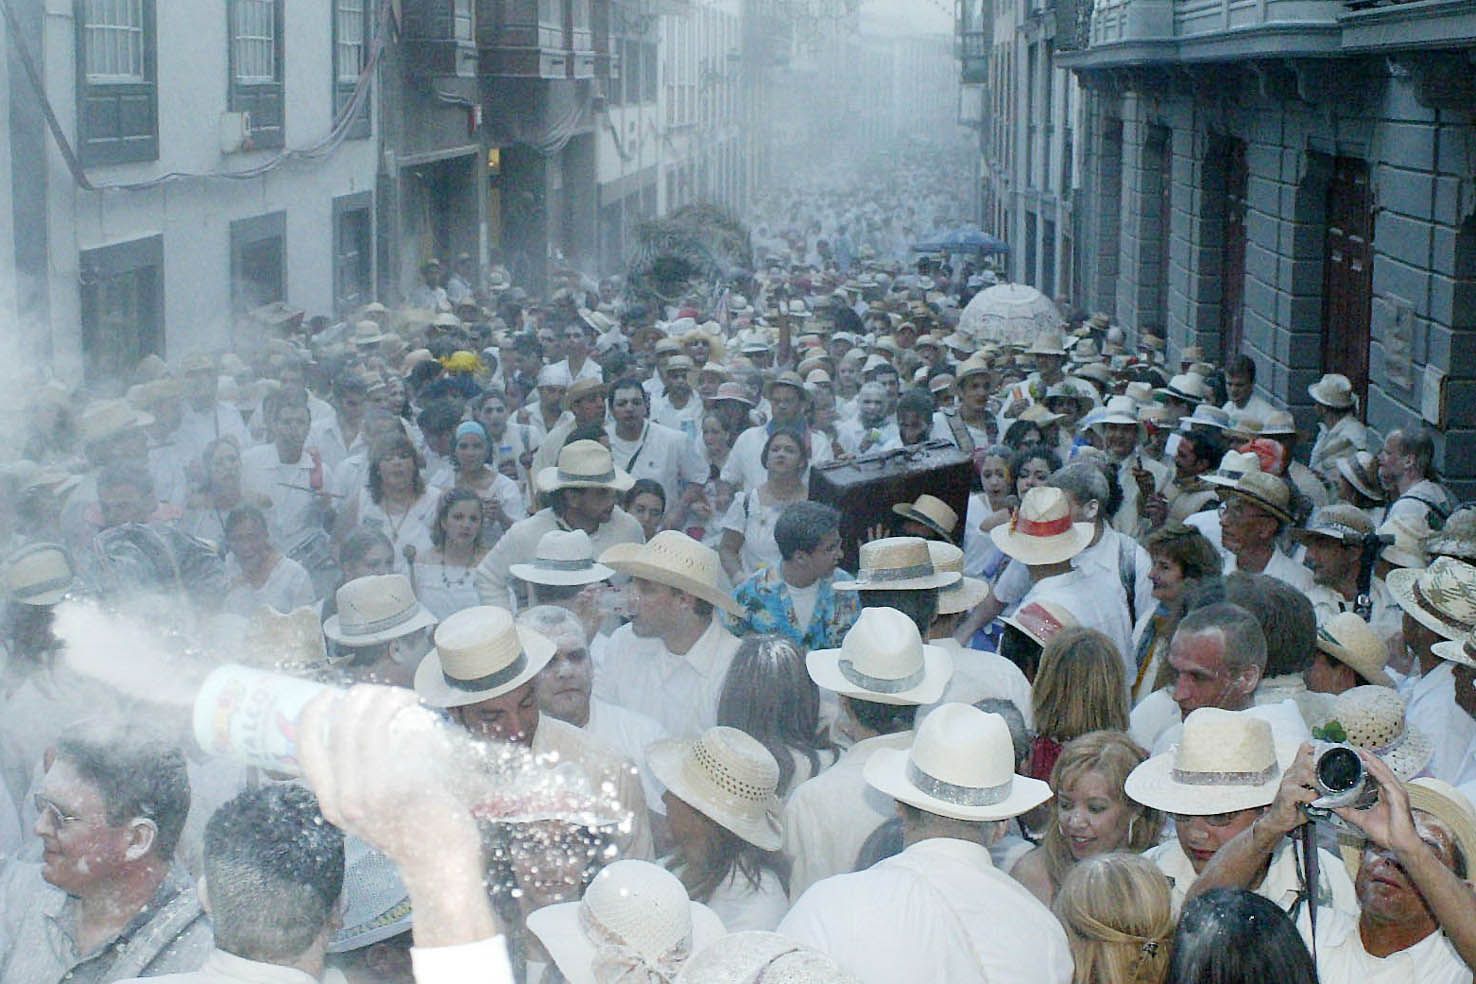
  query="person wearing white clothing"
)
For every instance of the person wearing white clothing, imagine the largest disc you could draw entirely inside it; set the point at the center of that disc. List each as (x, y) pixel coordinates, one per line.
(1254, 512)
(1438, 613)
(941, 910)
(650, 450)
(1240, 387)
(295, 481)
(674, 403)
(788, 400)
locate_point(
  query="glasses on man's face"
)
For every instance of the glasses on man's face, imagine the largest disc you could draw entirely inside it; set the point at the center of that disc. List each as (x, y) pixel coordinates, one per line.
(1208, 819)
(47, 807)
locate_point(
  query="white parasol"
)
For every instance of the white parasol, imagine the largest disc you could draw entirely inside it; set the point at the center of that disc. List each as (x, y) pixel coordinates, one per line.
(1008, 313)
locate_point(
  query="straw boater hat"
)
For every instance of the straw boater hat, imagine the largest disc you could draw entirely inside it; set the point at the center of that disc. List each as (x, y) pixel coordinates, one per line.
(931, 512)
(376, 904)
(38, 575)
(1041, 531)
(1040, 620)
(563, 557)
(1048, 341)
(1187, 386)
(676, 560)
(961, 765)
(896, 563)
(967, 592)
(479, 654)
(1373, 718)
(376, 609)
(1264, 492)
(728, 777)
(1348, 639)
(882, 659)
(1340, 521)
(1361, 470)
(1441, 597)
(758, 957)
(1225, 761)
(633, 912)
(1333, 390)
(584, 465)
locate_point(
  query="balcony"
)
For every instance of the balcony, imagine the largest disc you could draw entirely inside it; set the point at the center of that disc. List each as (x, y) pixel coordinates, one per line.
(1125, 33)
(973, 54)
(437, 39)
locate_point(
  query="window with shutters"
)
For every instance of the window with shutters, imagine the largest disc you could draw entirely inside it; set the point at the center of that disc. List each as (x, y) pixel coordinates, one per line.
(117, 83)
(256, 51)
(350, 54)
(353, 251)
(122, 294)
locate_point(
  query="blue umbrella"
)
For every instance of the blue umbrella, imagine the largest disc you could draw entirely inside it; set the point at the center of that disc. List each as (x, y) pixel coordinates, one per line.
(964, 240)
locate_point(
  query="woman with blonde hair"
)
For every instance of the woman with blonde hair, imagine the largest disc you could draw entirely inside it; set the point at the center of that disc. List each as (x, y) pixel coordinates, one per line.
(1079, 687)
(1090, 814)
(1118, 919)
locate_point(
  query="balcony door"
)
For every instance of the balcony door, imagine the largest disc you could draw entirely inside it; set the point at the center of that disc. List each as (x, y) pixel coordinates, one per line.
(1347, 275)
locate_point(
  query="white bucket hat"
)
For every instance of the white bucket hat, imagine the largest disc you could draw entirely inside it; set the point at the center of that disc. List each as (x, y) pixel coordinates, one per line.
(1373, 718)
(882, 659)
(1333, 390)
(563, 557)
(961, 765)
(479, 654)
(376, 609)
(966, 593)
(728, 777)
(676, 560)
(1349, 640)
(1441, 597)
(584, 465)
(1041, 531)
(1225, 761)
(635, 916)
(896, 563)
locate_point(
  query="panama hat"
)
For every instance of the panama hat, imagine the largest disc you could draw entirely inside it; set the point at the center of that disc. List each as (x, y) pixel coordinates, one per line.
(1048, 341)
(883, 659)
(1205, 415)
(931, 512)
(1373, 718)
(635, 909)
(735, 392)
(1041, 530)
(563, 557)
(1040, 620)
(961, 765)
(579, 389)
(941, 382)
(1279, 423)
(38, 575)
(1138, 391)
(1361, 470)
(367, 333)
(1225, 761)
(1463, 652)
(791, 379)
(1187, 386)
(973, 366)
(1333, 390)
(1233, 465)
(1349, 640)
(896, 563)
(376, 904)
(376, 609)
(966, 593)
(1408, 546)
(1340, 521)
(1118, 410)
(584, 465)
(729, 777)
(1038, 414)
(1441, 597)
(676, 560)
(480, 654)
(1263, 491)
(1097, 372)
(758, 957)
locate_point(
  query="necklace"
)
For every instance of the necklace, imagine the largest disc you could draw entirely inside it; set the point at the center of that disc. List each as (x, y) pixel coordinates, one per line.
(466, 573)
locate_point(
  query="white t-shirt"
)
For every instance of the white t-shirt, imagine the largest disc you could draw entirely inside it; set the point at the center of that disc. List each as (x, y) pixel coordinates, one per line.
(803, 600)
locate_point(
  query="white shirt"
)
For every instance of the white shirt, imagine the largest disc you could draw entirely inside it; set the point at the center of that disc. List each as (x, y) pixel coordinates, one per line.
(851, 433)
(287, 587)
(939, 911)
(1281, 567)
(745, 469)
(1153, 715)
(1335, 891)
(743, 907)
(221, 967)
(327, 437)
(1114, 551)
(680, 691)
(629, 733)
(197, 429)
(687, 419)
(590, 370)
(978, 675)
(1096, 598)
(1432, 709)
(1386, 618)
(829, 817)
(296, 512)
(411, 528)
(661, 454)
(1414, 506)
(1345, 437)
(1257, 406)
(755, 521)
(1341, 958)
(484, 961)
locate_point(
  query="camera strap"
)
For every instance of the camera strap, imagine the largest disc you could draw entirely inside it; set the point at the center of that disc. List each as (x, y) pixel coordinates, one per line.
(1310, 874)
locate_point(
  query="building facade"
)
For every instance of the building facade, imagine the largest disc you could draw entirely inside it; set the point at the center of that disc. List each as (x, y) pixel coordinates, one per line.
(1294, 180)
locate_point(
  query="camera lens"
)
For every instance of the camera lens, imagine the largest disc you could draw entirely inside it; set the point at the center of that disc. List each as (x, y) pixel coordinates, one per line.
(1339, 770)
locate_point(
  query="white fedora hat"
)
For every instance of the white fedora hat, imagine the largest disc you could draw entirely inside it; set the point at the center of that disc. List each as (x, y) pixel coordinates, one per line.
(966, 593)
(1041, 531)
(882, 659)
(1349, 640)
(563, 557)
(376, 609)
(676, 560)
(1225, 761)
(1118, 410)
(1441, 597)
(1233, 465)
(584, 465)
(930, 511)
(634, 907)
(728, 777)
(1187, 386)
(38, 575)
(480, 654)
(961, 765)
(1040, 620)
(896, 563)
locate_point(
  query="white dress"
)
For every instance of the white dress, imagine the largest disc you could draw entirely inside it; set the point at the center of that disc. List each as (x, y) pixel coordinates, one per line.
(445, 588)
(755, 521)
(410, 528)
(741, 906)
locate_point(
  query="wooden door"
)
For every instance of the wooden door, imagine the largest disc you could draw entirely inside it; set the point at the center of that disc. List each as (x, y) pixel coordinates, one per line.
(1347, 277)
(1232, 258)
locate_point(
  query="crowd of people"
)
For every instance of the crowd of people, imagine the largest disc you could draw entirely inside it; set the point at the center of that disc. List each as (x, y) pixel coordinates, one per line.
(1070, 725)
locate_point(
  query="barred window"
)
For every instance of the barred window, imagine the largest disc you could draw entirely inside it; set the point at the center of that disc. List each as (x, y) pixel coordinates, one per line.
(350, 40)
(114, 42)
(254, 39)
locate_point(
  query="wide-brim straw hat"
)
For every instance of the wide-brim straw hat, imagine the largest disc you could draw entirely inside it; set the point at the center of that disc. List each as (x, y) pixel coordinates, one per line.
(1263, 491)
(584, 465)
(1361, 470)
(963, 595)
(1441, 597)
(883, 659)
(1048, 341)
(1349, 640)
(931, 512)
(728, 777)
(1225, 761)
(563, 558)
(1187, 386)
(733, 392)
(1333, 390)
(631, 905)
(579, 389)
(480, 654)
(896, 563)
(376, 609)
(961, 765)
(1118, 410)
(1408, 548)
(973, 366)
(376, 904)
(1098, 372)
(1040, 620)
(38, 575)
(1463, 652)
(1373, 718)
(1205, 415)
(758, 957)
(676, 560)
(1041, 530)
(1339, 521)
(1440, 800)
(790, 379)
(1232, 466)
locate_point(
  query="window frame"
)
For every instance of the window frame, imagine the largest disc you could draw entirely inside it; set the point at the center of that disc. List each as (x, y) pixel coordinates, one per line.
(95, 144)
(265, 101)
(248, 232)
(343, 91)
(105, 263)
(362, 201)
